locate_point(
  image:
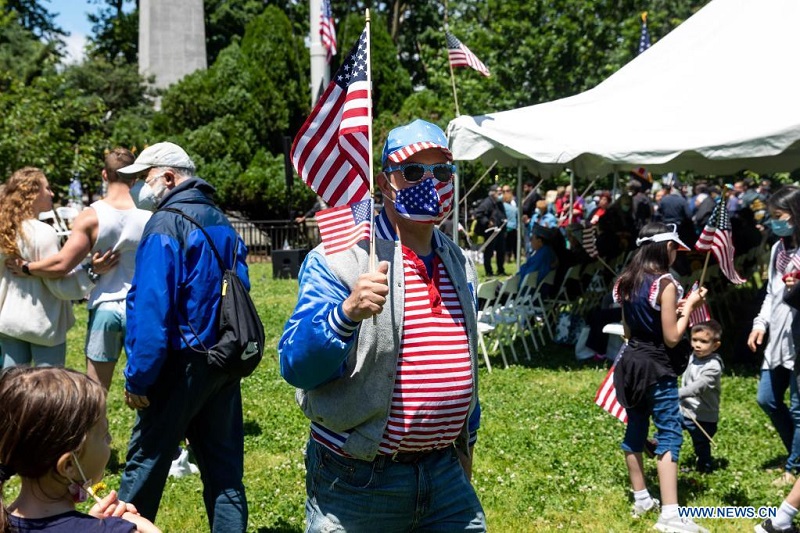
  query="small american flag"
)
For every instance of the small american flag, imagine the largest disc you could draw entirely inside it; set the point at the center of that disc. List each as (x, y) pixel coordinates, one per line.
(716, 237)
(644, 38)
(327, 30)
(341, 227)
(460, 56)
(606, 397)
(700, 314)
(331, 151)
(590, 241)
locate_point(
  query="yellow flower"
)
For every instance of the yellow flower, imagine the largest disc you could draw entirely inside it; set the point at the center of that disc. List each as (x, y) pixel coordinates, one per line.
(99, 488)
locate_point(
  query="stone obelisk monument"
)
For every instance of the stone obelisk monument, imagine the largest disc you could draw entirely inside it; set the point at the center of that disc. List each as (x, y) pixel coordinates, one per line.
(172, 39)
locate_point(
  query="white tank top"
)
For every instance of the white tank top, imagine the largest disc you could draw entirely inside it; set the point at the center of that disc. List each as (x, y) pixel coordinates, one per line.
(120, 230)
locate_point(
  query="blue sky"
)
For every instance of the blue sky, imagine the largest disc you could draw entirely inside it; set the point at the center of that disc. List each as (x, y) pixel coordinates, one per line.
(72, 18)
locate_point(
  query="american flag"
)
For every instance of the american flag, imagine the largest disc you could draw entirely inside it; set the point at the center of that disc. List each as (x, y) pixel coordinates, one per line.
(341, 227)
(331, 151)
(590, 241)
(327, 30)
(700, 314)
(606, 397)
(716, 237)
(644, 39)
(460, 56)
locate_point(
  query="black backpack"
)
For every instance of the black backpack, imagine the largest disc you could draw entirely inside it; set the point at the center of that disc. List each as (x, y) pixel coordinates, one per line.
(240, 345)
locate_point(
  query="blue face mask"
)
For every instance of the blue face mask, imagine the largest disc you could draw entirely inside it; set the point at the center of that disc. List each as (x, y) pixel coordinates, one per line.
(428, 201)
(781, 228)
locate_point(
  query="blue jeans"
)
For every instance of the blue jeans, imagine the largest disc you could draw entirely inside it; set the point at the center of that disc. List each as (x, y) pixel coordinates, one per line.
(786, 420)
(353, 496)
(702, 446)
(16, 353)
(190, 400)
(661, 401)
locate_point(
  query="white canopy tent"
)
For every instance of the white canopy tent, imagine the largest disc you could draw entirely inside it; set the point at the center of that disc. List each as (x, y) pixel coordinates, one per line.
(719, 94)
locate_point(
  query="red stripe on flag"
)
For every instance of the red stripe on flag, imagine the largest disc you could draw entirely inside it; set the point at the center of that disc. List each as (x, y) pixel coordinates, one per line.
(606, 398)
(331, 152)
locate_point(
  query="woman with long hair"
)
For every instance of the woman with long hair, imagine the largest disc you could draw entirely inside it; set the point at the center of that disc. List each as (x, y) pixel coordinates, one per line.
(778, 371)
(35, 313)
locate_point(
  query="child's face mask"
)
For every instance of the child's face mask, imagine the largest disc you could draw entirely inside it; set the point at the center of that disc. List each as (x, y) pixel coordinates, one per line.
(79, 492)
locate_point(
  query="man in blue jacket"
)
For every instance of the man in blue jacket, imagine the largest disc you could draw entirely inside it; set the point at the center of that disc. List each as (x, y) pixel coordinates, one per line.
(385, 360)
(172, 312)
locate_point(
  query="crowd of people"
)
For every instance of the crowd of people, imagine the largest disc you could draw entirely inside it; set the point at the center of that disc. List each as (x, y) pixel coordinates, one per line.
(382, 344)
(151, 281)
(642, 230)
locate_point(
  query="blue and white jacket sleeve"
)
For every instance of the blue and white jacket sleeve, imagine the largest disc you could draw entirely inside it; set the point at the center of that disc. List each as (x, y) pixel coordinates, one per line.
(318, 336)
(151, 310)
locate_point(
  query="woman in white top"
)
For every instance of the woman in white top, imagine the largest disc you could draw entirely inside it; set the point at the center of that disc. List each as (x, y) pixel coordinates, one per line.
(35, 313)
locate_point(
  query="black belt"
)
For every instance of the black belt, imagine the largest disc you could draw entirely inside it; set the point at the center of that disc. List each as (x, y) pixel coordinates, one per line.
(414, 457)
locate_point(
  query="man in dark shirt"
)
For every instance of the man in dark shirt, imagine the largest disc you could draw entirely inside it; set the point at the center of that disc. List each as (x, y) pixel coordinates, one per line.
(491, 216)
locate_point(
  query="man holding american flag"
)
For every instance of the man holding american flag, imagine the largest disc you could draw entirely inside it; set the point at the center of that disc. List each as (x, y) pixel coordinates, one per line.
(385, 358)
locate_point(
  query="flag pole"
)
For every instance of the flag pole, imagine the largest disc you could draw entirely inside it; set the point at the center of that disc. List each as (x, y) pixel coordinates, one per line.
(589, 187)
(373, 266)
(463, 200)
(452, 74)
(696, 423)
(705, 267)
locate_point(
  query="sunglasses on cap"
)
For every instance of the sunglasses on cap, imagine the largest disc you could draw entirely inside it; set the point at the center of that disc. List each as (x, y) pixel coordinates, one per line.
(414, 172)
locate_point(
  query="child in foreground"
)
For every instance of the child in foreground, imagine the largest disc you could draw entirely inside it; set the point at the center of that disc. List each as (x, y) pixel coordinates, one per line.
(646, 375)
(700, 391)
(55, 437)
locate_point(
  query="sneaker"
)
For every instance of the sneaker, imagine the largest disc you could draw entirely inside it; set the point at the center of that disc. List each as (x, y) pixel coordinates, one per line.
(181, 466)
(767, 527)
(639, 510)
(786, 479)
(678, 524)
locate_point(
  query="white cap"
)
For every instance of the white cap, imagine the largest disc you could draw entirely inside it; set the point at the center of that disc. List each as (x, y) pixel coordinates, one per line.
(163, 154)
(666, 236)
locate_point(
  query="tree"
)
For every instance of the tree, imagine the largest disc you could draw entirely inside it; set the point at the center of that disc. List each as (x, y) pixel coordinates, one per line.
(115, 32)
(36, 18)
(243, 105)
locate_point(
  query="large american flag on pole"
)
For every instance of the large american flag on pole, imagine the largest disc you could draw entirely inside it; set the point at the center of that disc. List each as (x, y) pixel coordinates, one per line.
(460, 55)
(327, 30)
(331, 151)
(341, 227)
(644, 38)
(716, 237)
(606, 397)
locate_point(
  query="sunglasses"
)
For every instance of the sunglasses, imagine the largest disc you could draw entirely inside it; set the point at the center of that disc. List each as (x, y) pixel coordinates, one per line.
(414, 172)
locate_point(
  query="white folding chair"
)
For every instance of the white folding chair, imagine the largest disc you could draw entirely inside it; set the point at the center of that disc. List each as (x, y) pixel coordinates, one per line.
(505, 317)
(487, 291)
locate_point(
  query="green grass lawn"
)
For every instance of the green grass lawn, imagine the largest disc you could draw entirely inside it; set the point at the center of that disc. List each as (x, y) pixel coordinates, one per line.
(547, 458)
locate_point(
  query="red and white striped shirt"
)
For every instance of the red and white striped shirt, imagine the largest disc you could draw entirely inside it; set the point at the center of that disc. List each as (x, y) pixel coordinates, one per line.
(433, 385)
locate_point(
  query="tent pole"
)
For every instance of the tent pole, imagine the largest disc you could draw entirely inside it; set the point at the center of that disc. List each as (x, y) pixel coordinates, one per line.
(457, 202)
(518, 252)
(615, 186)
(571, 193)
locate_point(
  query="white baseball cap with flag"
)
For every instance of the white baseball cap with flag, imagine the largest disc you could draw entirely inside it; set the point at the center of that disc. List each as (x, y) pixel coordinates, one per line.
(671, 235)
(163, 154)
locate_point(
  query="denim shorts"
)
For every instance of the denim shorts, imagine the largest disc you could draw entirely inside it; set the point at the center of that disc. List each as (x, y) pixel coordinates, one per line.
(661, 401)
